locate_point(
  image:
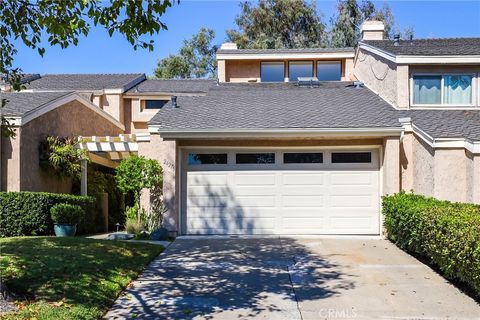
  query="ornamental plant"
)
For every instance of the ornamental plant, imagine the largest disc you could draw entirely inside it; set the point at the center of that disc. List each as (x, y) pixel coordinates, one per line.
(137, 173)
(66, 213)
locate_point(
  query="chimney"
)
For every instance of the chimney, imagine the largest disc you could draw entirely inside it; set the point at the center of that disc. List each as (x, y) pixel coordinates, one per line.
(372, 30)
(229, 46)
(174, 101)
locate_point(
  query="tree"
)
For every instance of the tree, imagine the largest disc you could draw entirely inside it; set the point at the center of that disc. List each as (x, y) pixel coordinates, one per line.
(271, 24)
(195, 59)
(63, 22)
(350, 16)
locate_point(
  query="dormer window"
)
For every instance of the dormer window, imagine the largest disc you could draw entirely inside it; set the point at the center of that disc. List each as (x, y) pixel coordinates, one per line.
(300, 69)
(272, 72)
(446, 89)
(155, 104)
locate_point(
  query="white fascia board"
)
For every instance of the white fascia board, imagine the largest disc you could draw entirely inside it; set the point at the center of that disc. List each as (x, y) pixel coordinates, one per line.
(293, 133)
(14, 121)
(402, 59)
(109, 146)
(285, 56)
(33, 114)
(113, 91)
(447, 143)
(142, 136)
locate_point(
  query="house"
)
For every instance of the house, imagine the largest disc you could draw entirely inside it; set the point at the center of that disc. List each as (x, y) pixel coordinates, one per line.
(296, 141)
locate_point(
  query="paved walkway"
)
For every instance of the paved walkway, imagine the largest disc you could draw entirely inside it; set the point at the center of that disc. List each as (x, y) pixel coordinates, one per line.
(290, 279)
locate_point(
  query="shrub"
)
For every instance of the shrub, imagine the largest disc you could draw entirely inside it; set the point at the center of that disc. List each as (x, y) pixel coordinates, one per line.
(133, 226)
(28, 213)
(67, 213)
(447, 234)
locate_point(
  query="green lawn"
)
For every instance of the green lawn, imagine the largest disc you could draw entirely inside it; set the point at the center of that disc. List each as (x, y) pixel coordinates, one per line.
(69, 278)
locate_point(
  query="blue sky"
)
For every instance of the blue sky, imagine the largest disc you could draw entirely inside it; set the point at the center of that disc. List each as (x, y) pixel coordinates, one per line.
(98, 53)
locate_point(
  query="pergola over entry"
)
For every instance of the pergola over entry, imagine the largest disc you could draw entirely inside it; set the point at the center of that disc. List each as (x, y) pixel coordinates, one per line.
(108, 151)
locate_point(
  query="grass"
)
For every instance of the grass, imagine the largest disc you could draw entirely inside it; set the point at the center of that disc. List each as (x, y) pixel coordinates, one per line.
(69, 278)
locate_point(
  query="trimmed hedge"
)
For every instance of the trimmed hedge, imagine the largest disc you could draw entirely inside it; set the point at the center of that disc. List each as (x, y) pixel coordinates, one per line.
(28, 213)
(445, 233)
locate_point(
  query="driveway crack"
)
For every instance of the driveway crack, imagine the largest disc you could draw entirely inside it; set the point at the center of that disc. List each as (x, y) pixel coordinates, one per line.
(294, 293)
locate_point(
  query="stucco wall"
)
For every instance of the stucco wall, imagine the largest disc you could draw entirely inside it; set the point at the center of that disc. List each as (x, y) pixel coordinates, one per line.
(10, 157)
(451, 175)
(378, 74)
(165, 153)
(391, 165)
(242, 70)
(113, 104)
(71, 119)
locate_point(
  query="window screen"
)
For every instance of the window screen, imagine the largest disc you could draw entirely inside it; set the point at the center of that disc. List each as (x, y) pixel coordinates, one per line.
(329, 71)
(298, 69)
(305, 157)
(155, 104)
(351, 157)
(207, 158)
(255, 158)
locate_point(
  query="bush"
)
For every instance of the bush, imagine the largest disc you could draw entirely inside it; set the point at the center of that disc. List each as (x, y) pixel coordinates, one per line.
(447, 234)
(133, 226)
(28, 213)
(67, 213)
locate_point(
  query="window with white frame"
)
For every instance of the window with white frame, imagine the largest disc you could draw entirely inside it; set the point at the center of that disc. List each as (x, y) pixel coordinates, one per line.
(446, 89)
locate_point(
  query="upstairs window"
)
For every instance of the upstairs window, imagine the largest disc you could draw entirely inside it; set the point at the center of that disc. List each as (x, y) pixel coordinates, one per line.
(297, 69)
(155, 104)
(329, 70)
(442, 90)
(272, 72)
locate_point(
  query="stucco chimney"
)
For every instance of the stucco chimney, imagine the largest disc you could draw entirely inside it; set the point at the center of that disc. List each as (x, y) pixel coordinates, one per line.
(372, 30)
(229, 46)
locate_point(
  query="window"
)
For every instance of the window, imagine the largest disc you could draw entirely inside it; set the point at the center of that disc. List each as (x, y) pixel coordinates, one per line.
(298, 69)
(442, 89)
(329, 70)
(272, 72)
(207, 158)
(255, 158)
(351, 157)
(310, 157)
(155, 104)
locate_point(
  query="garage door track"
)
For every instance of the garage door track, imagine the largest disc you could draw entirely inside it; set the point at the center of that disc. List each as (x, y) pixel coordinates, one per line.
(286, 278)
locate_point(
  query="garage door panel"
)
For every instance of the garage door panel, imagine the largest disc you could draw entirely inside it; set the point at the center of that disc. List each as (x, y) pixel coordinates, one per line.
(249, 179)
(302, 179)
(281, 199)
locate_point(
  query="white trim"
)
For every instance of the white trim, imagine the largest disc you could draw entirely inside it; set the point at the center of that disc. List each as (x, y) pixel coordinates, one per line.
(417, 59)
(14, 121)
(285, 56)
(472, 106)
(51, 105)
(224, 133)
(441, 143)
(143, 136)
(113, 91)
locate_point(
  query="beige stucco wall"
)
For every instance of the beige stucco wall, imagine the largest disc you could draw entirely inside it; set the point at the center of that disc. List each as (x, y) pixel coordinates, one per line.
(447, 174)
(165, 153)
(380, 75)
(21, 155)
(242, 70)
(113, 104)
(391, 165)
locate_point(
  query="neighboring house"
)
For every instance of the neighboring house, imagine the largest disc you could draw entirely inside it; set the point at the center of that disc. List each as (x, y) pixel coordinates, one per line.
(260, 152)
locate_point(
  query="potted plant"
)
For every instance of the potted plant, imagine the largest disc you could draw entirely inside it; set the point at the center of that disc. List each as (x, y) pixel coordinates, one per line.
(65, 217)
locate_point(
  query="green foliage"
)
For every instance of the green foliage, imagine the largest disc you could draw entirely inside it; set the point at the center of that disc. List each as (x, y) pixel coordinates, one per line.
(61, 157)
(134, 226)
(448, 234)
(196, 59)
(63, 23)
(136, 173)
(72, 278)
(28, 213)
(269, 24)
(67, 213)
(350, 16)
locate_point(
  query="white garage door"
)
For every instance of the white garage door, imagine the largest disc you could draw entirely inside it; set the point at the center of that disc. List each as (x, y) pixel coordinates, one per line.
(281, 192)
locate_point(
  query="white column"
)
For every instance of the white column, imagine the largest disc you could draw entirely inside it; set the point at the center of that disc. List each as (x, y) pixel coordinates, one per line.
(83, 181)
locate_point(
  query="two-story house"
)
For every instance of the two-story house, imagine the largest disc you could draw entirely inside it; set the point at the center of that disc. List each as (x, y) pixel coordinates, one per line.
(286, 141)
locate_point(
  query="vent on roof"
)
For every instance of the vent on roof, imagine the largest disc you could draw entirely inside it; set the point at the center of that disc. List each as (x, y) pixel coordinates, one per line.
(174, 101)
(358, 84)
(308, 82)
(396, 40)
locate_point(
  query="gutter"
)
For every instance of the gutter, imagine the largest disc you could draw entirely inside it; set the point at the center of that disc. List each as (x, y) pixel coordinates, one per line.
(274, 132)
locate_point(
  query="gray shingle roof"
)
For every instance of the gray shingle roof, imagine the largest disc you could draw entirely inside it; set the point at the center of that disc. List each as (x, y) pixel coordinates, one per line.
(429, 47)
(448, 123)
(85, 82)
(280, 105)
(172, 86)
(20, 103)
(280, 51)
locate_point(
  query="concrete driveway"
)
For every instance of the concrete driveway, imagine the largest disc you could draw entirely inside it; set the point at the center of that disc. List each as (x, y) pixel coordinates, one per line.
(272, 278)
